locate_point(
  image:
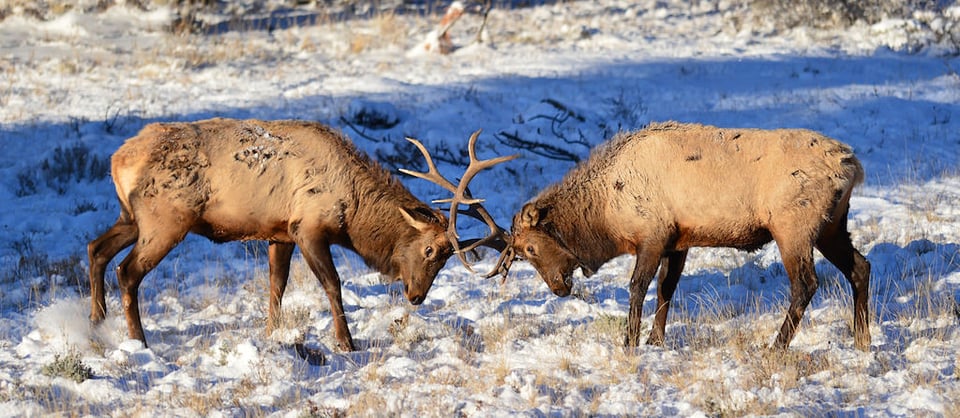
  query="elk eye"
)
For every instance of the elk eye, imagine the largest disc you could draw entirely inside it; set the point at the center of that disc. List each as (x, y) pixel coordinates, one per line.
(531, 252)
(428, 252)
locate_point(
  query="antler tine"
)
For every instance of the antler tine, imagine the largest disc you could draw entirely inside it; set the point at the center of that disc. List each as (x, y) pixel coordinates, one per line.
(495, 240)
(477, 165)
(503, 263)
(432, 174)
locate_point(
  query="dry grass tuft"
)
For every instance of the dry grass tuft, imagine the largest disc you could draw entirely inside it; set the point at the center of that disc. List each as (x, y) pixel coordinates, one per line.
(384, 30)
(608, 329)
(500, 369)
(408, 332)
(497, 333)
(200, 401)
(367, 404)
(448, 376)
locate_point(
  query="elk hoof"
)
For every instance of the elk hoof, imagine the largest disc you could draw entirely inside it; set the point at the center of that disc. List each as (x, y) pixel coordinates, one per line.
(347, 346)
(777, 347)
(313, 356)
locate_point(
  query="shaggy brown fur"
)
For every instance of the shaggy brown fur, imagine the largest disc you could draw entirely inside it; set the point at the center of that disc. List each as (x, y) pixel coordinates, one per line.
(286, 182)
(658, 192)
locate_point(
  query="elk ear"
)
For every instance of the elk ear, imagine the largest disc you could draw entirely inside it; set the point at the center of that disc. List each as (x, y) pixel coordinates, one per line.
(440, 218)
(412, 221)
(531, 215)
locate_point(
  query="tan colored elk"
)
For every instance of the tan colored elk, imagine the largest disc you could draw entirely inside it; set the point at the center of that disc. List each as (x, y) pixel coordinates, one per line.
(658, 192)
(291, 183)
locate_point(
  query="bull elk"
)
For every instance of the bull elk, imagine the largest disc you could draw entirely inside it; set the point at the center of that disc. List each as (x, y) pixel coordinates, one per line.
(291, 183)
(658, 192)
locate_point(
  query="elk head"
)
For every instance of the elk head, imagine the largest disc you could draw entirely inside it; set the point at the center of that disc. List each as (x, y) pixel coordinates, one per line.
(419, 257)
(533, 240)
(498, 238)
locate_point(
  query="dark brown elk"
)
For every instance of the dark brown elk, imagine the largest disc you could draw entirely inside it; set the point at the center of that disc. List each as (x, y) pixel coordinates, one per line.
(291, 183)
(658, 192)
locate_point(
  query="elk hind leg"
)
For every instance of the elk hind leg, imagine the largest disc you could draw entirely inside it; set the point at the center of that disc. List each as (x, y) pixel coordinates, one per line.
(154, 244)
(798, 262)
(671, 266)
(835, 245)
(99, 252)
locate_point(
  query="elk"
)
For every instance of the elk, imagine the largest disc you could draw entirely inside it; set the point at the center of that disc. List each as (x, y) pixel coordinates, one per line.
(657, 192)
(290, 183)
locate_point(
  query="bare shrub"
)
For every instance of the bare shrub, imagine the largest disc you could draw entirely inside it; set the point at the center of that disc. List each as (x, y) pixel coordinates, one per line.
(68, 366)
(838, 13)
(68, 165)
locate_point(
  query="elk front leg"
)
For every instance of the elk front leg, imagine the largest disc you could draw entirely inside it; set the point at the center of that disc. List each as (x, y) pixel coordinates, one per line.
(279, 255)
(671, 267)
(318, 257)
(99, 252)
(643, 271)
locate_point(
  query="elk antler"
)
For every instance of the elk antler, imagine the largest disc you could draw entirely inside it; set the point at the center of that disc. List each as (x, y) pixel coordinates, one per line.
(503, 263)
(498, 238)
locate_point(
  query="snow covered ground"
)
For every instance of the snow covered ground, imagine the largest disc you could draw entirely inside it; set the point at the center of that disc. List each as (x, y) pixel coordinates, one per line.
(74, 86)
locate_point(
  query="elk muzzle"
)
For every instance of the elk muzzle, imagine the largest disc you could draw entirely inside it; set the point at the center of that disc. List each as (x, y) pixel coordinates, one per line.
(415, 288)
(559, 284)
(415, 297)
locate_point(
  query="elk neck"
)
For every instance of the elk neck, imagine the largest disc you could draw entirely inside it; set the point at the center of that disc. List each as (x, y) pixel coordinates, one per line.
(376, 227)
(578, 222)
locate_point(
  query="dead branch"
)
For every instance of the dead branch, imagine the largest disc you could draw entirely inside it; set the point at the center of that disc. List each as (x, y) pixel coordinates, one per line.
(550, 151)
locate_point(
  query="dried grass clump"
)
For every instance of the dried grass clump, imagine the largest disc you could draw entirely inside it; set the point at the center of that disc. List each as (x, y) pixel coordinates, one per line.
(45, 10)
(383, 30)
